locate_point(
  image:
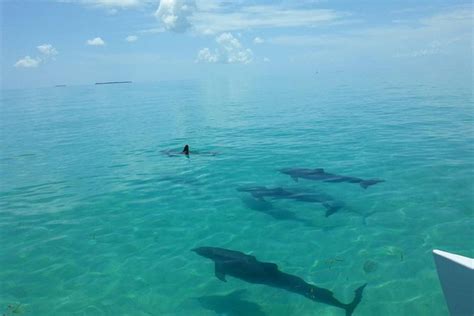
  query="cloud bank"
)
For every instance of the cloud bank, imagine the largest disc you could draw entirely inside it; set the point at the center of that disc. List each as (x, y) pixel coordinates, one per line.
(214, 17)
(262, 16)
(446, 33)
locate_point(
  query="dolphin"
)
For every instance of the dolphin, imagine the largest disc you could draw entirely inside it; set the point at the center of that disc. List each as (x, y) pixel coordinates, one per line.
(186, 152)
(320, 175)
(279, 193)
(172, 153)
(249, 269)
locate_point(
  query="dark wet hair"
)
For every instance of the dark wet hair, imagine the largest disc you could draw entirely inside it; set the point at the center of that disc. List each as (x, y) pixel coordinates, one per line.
(186, 150)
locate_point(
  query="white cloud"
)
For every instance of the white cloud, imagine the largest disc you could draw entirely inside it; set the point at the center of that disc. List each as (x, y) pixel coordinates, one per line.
(218, 18)
(266, 59)
(112, 7)
(110, 4)
(115, 3)
(47, 50)
(436, 47)
(303, 40)
(174, 14)
(131, 38)
(426, 35)
(258, 40)
(213, 17)
(442, 39)
(205, 55)
(233, 50)
(208, 5)
(229, 51)
(28, 62)
(155, 30)
(96, 42)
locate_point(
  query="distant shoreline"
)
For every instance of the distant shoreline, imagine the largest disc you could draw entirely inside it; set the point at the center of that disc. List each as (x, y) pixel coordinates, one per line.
(113, 82)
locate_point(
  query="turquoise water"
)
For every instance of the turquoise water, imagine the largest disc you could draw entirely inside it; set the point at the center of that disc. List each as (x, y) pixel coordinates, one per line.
(95, 220)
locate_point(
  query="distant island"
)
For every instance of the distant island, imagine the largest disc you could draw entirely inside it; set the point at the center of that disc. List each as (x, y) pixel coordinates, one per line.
(113, 82)
(60, 85)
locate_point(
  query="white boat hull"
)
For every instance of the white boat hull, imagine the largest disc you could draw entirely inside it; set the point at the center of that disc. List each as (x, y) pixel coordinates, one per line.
(456, 274)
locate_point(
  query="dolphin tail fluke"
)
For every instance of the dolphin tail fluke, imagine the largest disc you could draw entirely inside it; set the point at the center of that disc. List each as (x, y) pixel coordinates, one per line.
(331, 208)
(366, 183)
(357, 298)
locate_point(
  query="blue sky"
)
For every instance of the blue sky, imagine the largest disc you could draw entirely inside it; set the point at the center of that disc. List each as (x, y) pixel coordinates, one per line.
(45, 43)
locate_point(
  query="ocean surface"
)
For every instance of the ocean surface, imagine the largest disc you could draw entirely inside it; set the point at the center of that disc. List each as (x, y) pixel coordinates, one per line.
(96, 220)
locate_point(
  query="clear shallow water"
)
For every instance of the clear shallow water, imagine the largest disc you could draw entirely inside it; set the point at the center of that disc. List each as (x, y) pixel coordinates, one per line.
(95, 220)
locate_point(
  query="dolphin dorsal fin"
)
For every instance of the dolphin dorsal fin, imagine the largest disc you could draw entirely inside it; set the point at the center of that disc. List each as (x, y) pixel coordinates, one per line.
(186, 150)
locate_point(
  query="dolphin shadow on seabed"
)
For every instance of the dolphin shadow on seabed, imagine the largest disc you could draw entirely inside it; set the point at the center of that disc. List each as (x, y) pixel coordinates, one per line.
(279, 193)
(231, 304)
(269, 209)
(247, 268)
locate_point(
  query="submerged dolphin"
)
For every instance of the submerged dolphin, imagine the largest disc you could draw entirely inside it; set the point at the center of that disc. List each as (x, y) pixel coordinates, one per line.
(278, 193)
(320, 175)
(249, 269)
